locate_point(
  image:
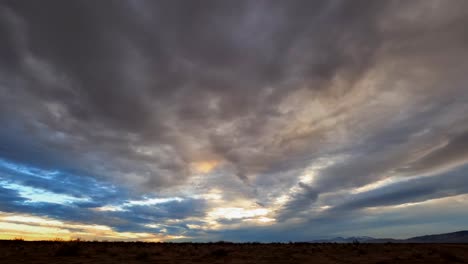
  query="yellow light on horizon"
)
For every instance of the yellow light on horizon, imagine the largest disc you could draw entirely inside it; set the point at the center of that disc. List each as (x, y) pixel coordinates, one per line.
(29, 227)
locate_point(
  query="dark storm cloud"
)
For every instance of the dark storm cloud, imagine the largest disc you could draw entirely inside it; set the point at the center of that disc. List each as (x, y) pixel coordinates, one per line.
(135, 94)
(139, 73)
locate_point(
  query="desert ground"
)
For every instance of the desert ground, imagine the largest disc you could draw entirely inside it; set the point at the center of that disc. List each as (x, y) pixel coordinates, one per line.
(138, 252)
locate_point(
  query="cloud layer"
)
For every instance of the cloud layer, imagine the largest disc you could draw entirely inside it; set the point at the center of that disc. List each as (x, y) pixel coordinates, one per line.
(161, 117)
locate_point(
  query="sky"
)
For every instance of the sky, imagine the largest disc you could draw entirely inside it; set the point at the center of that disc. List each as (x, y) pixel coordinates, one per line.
(232, 120)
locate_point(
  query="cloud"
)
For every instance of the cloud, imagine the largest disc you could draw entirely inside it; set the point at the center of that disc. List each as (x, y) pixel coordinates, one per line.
(282, 105)
(452, 154)
(129, 89)
(415, 190)
(57, 195)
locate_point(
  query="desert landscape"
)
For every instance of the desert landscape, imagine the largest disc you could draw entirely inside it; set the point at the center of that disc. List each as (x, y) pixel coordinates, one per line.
(233, 131)
(224, 252)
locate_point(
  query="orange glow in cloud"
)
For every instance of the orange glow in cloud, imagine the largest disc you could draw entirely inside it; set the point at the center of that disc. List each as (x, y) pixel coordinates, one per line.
(205, 166)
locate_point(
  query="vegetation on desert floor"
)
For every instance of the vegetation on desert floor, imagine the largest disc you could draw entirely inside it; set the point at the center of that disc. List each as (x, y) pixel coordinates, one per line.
(14, 251)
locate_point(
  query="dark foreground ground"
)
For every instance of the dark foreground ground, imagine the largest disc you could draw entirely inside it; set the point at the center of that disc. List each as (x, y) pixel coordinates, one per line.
(119, 252)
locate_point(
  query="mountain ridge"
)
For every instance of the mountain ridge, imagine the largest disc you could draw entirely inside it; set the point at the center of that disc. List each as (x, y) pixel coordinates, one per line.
(453, 237)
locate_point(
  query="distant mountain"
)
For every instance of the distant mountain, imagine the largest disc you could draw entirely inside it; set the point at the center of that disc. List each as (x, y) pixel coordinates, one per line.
(363, 239)
(455, 237)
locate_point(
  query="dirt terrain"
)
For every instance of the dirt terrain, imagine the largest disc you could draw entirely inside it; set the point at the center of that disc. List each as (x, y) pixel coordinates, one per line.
(138, 252)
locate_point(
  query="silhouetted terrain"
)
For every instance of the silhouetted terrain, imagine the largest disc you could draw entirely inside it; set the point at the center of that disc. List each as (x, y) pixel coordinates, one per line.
(363, 239)
(138, 252)
(455, 237)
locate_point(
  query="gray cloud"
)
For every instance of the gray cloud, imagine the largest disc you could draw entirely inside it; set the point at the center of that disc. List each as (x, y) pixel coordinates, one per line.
(135, 93)
(109, 77)
(410, 191)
